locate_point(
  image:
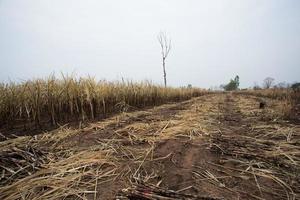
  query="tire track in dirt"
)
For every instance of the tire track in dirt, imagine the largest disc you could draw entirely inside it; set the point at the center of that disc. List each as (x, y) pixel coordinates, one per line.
(181, 145)
(191, 157)
(204, 170)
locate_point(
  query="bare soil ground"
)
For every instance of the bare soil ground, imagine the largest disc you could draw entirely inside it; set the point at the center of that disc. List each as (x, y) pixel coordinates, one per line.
(218, 146)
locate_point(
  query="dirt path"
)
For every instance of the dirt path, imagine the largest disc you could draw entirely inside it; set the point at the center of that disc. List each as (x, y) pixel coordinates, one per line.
(196, 166)
(231, 157)
(220, 146)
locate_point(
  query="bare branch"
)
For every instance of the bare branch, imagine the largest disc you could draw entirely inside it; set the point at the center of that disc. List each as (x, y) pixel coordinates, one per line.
(165, 44)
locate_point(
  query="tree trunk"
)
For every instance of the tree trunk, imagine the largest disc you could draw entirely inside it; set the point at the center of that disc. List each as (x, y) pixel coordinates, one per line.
(165, 75)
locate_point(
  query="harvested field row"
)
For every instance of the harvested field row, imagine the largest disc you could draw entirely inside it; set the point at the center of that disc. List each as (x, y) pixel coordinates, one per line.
(211, 147)
(128, 139)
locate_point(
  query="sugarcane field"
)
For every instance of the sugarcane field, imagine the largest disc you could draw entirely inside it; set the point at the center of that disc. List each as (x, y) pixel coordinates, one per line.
(210, 145)
(149, 100)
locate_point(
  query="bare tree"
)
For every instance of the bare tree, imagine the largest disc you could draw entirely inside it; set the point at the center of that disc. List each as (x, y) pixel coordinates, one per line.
(268, 82)
(282, 85)
(256, 86)
(165, 44)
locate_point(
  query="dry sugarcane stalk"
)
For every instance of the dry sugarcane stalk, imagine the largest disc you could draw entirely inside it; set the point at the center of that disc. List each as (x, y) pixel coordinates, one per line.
(54, 100)
(144, 191)
(17, 163)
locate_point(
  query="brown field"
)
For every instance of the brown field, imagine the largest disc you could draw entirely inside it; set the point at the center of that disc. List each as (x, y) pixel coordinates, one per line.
(216, 146)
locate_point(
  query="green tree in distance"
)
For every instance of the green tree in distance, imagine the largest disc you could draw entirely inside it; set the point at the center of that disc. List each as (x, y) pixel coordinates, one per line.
(233, 84)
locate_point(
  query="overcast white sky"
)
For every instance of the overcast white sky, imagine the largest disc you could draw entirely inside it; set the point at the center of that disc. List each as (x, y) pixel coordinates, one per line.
(213, 40)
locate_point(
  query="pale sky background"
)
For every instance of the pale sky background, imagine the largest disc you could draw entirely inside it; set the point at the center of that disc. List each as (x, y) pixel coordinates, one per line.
(213, 40)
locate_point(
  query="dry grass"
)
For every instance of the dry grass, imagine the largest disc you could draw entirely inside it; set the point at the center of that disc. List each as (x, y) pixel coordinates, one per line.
(51, 166)
(289, 98)
(52, 100)
(122, 152)
(73, 177)
(266, 152)
(43, 167)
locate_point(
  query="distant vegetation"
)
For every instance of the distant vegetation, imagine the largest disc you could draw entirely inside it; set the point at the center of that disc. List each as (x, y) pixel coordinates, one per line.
(268, 82)
(53, 100)
(232, 85)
